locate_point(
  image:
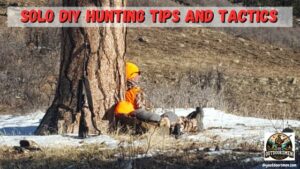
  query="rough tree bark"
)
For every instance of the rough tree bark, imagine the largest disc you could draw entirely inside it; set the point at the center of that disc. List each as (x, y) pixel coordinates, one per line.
(89, 100)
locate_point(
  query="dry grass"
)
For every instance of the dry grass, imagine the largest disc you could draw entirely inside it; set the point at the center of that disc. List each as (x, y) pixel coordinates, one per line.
(164, 151)
(154, 150)
(90, 158)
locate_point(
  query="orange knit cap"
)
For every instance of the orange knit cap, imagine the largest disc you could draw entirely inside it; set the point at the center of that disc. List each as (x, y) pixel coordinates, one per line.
(132, 70)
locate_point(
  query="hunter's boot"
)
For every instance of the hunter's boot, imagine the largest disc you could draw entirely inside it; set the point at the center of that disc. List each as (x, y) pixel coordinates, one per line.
(177, 132)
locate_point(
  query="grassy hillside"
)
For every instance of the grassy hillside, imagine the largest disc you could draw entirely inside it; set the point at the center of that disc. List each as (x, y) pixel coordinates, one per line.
(186, 67)
(246, 71)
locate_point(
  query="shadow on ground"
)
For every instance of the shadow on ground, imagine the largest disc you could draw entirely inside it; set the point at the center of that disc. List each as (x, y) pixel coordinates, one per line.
(17, 131)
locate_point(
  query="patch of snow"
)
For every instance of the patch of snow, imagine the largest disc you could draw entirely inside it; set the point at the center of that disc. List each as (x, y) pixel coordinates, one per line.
(135, 156)
(199, 137)
(221, 152)
(220, 126)
(20, 125)
(217, 118)
(143, 155)
(135, 143)
(59, 141)
(256, 159)
(228, 126)
(16, 128)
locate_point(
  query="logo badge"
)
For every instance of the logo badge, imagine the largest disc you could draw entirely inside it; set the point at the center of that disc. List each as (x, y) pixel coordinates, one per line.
(279, 147)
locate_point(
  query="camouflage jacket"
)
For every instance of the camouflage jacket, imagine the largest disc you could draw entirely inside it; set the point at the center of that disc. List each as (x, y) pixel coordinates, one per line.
(135, 95)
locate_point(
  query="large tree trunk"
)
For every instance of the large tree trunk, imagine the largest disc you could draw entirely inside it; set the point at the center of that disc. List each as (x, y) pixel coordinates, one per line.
(91, 78)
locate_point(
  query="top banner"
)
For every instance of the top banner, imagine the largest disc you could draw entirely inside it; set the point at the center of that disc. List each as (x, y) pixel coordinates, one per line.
(150, 17)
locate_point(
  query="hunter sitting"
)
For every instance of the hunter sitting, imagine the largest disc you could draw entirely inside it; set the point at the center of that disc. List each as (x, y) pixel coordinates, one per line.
(132, 111)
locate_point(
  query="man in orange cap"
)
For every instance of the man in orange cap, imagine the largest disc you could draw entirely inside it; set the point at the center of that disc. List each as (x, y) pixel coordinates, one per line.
(134, 106)
(135, 95)
(134, 103)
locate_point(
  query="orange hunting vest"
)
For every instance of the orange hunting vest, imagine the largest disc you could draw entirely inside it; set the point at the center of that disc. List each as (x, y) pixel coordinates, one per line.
(131, 94)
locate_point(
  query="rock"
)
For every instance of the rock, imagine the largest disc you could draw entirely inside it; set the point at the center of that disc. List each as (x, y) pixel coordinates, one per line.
(206, 41)
(288, 130)
(278, 49)
(219, 40)
(181, 45)
(236, 61)
(268, 53)
(29, 145)
(282, 101)
(242, 39)
(206, 149)
(263, 80)
(143, 39)
(293, 81)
